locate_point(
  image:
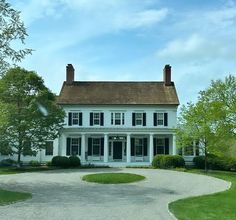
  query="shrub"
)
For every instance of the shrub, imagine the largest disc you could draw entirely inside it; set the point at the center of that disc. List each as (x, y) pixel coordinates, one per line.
(8, 162)
(74, 161)
(168, 161)
(199, 162)
(49, 163)
(34, 163)
(61, 161)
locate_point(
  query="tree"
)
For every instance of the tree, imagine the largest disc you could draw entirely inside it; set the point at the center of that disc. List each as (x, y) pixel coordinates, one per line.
(29, 113)
(12, 31)
(211, 120)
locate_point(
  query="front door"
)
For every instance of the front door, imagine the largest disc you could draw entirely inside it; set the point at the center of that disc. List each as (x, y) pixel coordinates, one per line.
(117, 150)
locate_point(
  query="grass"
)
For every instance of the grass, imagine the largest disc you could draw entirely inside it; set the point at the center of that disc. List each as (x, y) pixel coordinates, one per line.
(8, 197)
(14, 170)
(113, 178)
(218, 206)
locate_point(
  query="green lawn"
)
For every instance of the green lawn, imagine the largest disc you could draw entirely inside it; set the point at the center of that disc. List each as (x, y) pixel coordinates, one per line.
(113, 178)
(14, 170)
(7, 197)
(219, 206)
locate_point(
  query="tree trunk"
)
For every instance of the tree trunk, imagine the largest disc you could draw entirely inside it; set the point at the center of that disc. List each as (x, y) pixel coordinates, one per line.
(18, 158)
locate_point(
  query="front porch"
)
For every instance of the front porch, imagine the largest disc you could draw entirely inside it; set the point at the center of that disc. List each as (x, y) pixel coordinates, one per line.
(120, 148)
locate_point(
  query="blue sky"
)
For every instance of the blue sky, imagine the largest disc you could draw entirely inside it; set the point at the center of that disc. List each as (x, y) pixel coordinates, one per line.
(131, 40)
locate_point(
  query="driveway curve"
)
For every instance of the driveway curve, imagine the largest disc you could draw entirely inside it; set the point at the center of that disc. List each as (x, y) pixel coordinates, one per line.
(62, 195)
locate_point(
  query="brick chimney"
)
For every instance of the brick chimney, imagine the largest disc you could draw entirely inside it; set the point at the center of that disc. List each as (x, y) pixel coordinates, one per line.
(70, 74)
(167, 75)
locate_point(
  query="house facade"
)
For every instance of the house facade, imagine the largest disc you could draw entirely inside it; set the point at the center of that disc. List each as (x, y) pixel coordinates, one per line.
(109, 122)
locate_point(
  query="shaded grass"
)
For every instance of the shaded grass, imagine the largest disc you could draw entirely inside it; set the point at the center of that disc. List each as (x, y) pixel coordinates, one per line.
(25, 169)
(218, 206)
(7, 197)
(113, 178)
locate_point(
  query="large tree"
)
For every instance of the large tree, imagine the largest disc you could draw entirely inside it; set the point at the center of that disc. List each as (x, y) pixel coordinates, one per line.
(29, 113)
(12, 36)
(211, 120)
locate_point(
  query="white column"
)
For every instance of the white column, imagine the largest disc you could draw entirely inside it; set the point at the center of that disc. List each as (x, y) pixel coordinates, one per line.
(105, 159)
(150, 148)
(63, 149)
(174, 145)
(83, 148)
(128, 149)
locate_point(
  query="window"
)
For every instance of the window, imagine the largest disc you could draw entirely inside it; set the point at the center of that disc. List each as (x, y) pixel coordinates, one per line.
(73, 146)
(117, 118)
(139, 118)
(96, 146)
(96, 118)
(49, 148)
(160, 146)
(139, 147)
(160, 118)
(75, 118)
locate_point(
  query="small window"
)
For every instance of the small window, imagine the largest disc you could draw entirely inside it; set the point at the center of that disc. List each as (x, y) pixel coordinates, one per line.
(49, 148)
(75, 118)
(117, 118)
(139, 118)
(96, 118)
(160, 118)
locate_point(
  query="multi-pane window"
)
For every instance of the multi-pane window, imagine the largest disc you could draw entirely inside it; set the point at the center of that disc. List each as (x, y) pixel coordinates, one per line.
(138, 118)
(73, 145)
(160, 118)
(138, 146)
(75, 118)
(96, 118)
(117, 118)
(96, 147)
(160, 146)
(49, 148)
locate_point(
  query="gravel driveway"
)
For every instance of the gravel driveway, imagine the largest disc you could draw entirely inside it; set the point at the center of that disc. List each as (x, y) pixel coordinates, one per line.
(62, 195)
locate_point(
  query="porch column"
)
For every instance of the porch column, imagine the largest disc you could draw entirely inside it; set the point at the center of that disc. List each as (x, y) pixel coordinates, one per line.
(63, 149)
(128, 149)
(83, 148)
(105, 159)
(150, 148)
(174, 145)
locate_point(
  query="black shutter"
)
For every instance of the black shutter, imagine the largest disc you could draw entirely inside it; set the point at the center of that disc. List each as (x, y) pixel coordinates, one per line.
(70, 118)
(90, 146)
(91, 119)
(132, 146)
(101, 118)
(154, 146)
(102, 146)
(155, 119)
(68, 144)
(79, 146)
(80, 119)
(133, 119)
(166, 145)
(145, 146)
(165, 119)
(144, 119)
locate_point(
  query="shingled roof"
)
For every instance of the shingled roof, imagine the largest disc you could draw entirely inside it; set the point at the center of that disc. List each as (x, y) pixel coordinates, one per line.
(116, 93)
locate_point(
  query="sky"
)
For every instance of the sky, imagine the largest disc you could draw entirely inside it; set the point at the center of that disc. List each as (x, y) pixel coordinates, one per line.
(131, 40)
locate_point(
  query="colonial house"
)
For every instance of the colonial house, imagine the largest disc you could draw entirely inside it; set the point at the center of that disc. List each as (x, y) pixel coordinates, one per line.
(108, 122)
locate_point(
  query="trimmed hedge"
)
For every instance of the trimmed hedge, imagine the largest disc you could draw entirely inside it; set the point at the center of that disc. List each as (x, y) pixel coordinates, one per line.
(168, 161)
(216, 163)
(74, 161)
(8, 162)
(65, 162)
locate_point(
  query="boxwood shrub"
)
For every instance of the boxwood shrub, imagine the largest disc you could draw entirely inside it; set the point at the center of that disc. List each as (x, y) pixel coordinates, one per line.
(168, 161)
(61, 161)
(74, 161)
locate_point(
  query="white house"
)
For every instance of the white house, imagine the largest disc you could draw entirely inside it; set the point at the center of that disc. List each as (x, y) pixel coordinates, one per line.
(108, 122)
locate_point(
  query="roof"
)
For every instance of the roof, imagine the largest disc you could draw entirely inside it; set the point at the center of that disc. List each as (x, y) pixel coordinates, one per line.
(117, 93)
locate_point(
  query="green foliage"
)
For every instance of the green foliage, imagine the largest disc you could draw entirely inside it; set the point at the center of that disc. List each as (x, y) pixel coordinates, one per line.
(61, 161)
(113, 178)
(34, 163)
(12, 31)
(74, 161)
(168, 161)
(29, 113)
(7, 162)
(199, 162)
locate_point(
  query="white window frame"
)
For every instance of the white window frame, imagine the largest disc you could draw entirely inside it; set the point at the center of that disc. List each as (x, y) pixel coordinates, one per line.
(160, 118)
(138, 142)
(75, 118)
(97, 118)
(160, 144)
(117, 116)
(98, 144)
(139, 119)
(74, 142)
